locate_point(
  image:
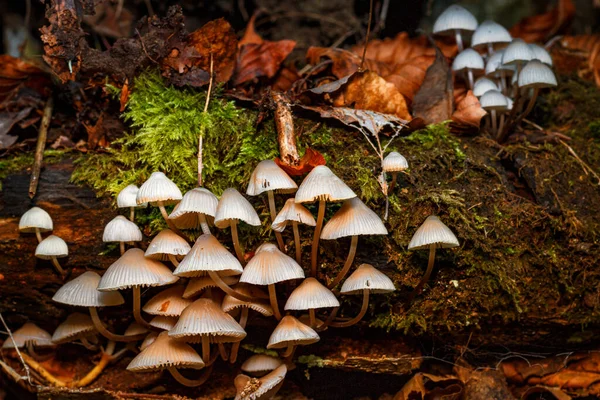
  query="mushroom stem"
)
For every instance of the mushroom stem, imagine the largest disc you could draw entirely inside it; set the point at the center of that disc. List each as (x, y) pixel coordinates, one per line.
(329, 319)
(393, 183)
(109, 335)
(317, 235)
(529, 105)
(98, 368)
(35, 355)
(132, 214)
(236, 243)
(58, 267)
(161, 207)
(42, 371)
(228, 289)
(273, 211)
(38, 235)
(236, 346)
(223, 352)
(137, 308)
(189, 382)
(297, 242)
(503, 82)
(206, 349)
(289, 351)
(128, 347)
(470, 76)
(459, 42)
(427, 273)
(490, 49)
(501, 126)
(122, 247)
(87, 344)
(273, 300)
(203, 224)
(494, 124)
(173, 260)
(361, 314)
(347, 265)
(312, 318)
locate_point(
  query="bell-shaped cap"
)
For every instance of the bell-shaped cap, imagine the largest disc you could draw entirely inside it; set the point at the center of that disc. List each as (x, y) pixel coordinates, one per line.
(165, 243)
(166, 352)
(490, 32)
(208, 254)
(82, 292)
(292, 212)
(52, 246)
(433, 232)
(163, 322)
(536, 74)
(517, 52)
(493, 64)
(269, 265)
(263, 388)
(135, 329)
(367, 277)
(234, 207)
(158, 188)
(493, 100)
(259, 364)
(205, 318)
(133, 269)
(455, 18)
(169, 302)
(394, 162)
(309, 295)
(540, 53)
(148, 340)
(269, 176)
(35, 218)
(128, 197)
(483, 85)
(354, 218)
(291, 331)
(195, 202)
(120, 229)
(468, 59)
(322, 184)
(196, 285)
(29, 333)
(76, 326)
(231, 303)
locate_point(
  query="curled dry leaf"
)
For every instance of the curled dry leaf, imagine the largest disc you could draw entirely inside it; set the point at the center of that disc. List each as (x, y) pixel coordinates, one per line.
(580, 54)
(16, 73)
(7, 121)
(426, 386)
(434, 100)
(542, 27)
(468, 114)
(308, 161)
(557, 393)
(124, 97)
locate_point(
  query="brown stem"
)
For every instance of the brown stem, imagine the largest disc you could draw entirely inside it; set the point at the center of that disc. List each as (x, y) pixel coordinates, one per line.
(58, 267)
(312, 318)
(427, 273)
(393, 183)
(329, 319)
(189, 382)
(347, 265)
(122, 247)
(38, 235)
(163, 212)
(137, 308)
(362, 61)
(236, 346)
(206, 349)
(40, 146)
(132, 214)
(361, 314)
(228, 289)
(173, 260)
(223, 351)
(297, 242)
(35, 355)
(315, 244)
(109, 335)
(203, 224)
(42, 371)
(494, 123)
(289, 351)
(87, 344)
(273, 211)
(529, 106)
(98, 368)
(273, 299)
(459, 41)
(236, 243)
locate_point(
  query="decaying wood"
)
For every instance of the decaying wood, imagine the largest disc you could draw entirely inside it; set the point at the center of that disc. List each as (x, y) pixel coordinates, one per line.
(286, 136)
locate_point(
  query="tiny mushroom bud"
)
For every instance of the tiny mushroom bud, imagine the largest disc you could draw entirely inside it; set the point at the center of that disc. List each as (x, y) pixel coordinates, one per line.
(468, 60)
(30, 336)
(540, 53)
(263, 388)
(311, 295)
(455, 20)
(296, 214)
(290, 333)
(168, 246)
(490, 33)
(393, 163)
(52, 248)
(197, 207)
(35, 220)
(159, 191)
(77, 326)
(127, 198)
(260, 364)
(121, 230)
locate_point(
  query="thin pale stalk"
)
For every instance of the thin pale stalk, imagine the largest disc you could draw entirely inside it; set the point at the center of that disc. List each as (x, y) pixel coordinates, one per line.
(109, 335)
(132, 214)
(42, 371)
(236, 243)
(223, 351)
(228, 289)
(459, 41)
(205, 348)
(273, 211)
(329, 319)
(273, 300)
(87, 344)
(35, 355)
(137, 308)
(122, 247)
(297, 242)
(236, 346)
(173, 260)
(163, 212)
(203, 224)
(349, 260)
(361, 314)
(470, 75)
(58, 268)
(38, 235)
(315, 244)
(289, 351)
(312, 318)
(427, 273)
(190, 382)
(529, 105)
(494, 122)
(98, 368)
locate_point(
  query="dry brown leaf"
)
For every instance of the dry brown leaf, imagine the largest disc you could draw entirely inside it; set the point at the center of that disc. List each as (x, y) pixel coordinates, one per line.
(309, 160)
(16, 73)
(580, 54)
(124, 98)
(434, 100)
(216, 39)
(540, 28)
(257, 60)
(250, 35)
(428, 386)
(557, 393)
(468, 114)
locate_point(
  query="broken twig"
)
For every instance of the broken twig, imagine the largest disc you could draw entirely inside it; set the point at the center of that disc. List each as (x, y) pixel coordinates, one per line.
(41, 145)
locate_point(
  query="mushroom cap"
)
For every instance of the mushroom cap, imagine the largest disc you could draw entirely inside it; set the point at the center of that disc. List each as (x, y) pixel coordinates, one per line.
(230, 303)
(128, 197)
(233, 206)
(133, 269)
(493, 100)
(148, 340)
(205, 318)
(135, 329)
(493, 63)
(322, 184)
(120, 229)
(517, 52)
(158, 188)
(196, 285)
(165, 352)
(536, 74)
(291, 331)
(52, 246)
(82, 291)
(35, 218)
(208, 254)
(29, 333)
(311, 294)
(367, 277)
(267, 386)
(260, 363)
(433, 232)
(269, 265)
(540, 53)
(196, 201)
(509, 103)
(490, 32)
(483, 85)
(394, 162)
(352, 219)
(163, 322)
(165, 243)
(169, 302)
(269, 176)
(292, 212)
(468, 59)
(77, 325)
(455, 18)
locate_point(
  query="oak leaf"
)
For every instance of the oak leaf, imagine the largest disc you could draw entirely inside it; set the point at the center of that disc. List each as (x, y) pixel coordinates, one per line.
(539, 28)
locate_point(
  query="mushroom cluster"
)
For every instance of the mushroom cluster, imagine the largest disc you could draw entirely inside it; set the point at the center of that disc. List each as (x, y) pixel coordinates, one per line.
(509, 71)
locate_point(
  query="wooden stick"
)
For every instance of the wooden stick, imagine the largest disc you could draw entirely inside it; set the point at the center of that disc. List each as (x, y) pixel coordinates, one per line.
(41, 145)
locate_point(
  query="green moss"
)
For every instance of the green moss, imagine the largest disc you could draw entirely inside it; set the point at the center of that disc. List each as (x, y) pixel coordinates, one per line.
(24, 161)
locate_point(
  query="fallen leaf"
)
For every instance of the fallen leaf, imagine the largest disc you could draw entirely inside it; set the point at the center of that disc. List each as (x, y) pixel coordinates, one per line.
(540, 28)
(428, 386)
(250, 35)
(285, 79)
(468, 114)
(124, 98)
(308, 161)
(62, 142)
(258, 60)
(557, 393)
(16, 73)
(434, 100)
(7, 121)
(580, 54)
(96, 133)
